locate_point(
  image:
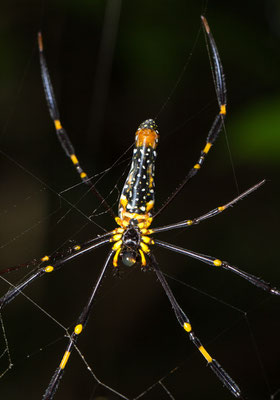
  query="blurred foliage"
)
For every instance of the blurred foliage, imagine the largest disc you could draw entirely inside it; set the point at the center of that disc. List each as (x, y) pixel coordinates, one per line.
(255, 133)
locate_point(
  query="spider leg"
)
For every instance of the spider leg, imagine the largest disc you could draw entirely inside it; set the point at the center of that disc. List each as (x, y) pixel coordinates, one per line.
(79, 327)
(50, 265)
(185, 323)
(60, 131)
(220, 87)
(222, 264)
(209, 214)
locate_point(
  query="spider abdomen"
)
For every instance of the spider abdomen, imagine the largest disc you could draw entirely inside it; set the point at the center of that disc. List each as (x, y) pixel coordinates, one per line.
(138, 192)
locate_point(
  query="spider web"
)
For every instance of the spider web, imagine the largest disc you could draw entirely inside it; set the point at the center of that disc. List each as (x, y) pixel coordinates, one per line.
(132, 347)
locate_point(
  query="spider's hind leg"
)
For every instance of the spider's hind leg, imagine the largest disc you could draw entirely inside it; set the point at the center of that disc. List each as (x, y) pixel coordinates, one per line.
(183, 320)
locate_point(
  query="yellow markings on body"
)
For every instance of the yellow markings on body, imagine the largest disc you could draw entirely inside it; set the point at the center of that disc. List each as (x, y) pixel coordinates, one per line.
(187, 327)
(207, 147)
(143, 258)
(117, 245)
(77, 248)
(49, 268)
(144, 247)
(222, 208)
(196, 166)
(205, 354)
(116, 256)
(123, 201)
(189, 222)
(64, 359)
(57, 124)
(151, 181)
(74, 159)
(83, 175)
(144, 220)
(150, 205)
(129, 179)
(78, 329)
(45, 258)
(217, 262)
(223, 109)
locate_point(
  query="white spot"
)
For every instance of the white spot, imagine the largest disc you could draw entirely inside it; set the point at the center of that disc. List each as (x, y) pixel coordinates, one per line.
(142, 208)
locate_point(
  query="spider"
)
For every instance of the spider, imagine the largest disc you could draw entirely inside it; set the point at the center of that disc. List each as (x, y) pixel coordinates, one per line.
(131, 241)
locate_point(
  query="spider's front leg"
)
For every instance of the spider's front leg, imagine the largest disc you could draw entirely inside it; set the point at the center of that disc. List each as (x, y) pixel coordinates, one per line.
(221, 92)
(50, 265)
(60, 131)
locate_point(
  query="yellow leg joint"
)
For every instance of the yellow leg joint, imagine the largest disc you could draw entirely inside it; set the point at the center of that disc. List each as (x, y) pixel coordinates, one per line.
(83, 175)
(117, 245)
(74, 159)
(78, 329)
(57, 124)
(205, 354)
(77, 247)
(189, 222)
(187, 327)
(117, 230)
(146, 239)
(64, 359)
(144, 247)
(46, 258)
(196, 166)
(143, 258)
(217, 262)
(222, 208)
(49, 268)
(223, 109)
(116, 237)
(207, 147)
(116, 256)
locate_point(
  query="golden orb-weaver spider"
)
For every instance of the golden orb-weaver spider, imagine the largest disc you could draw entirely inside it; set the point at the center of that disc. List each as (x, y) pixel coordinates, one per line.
(131, 241)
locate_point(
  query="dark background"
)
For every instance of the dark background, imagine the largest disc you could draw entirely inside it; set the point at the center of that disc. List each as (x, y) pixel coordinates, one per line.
(133, 339)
